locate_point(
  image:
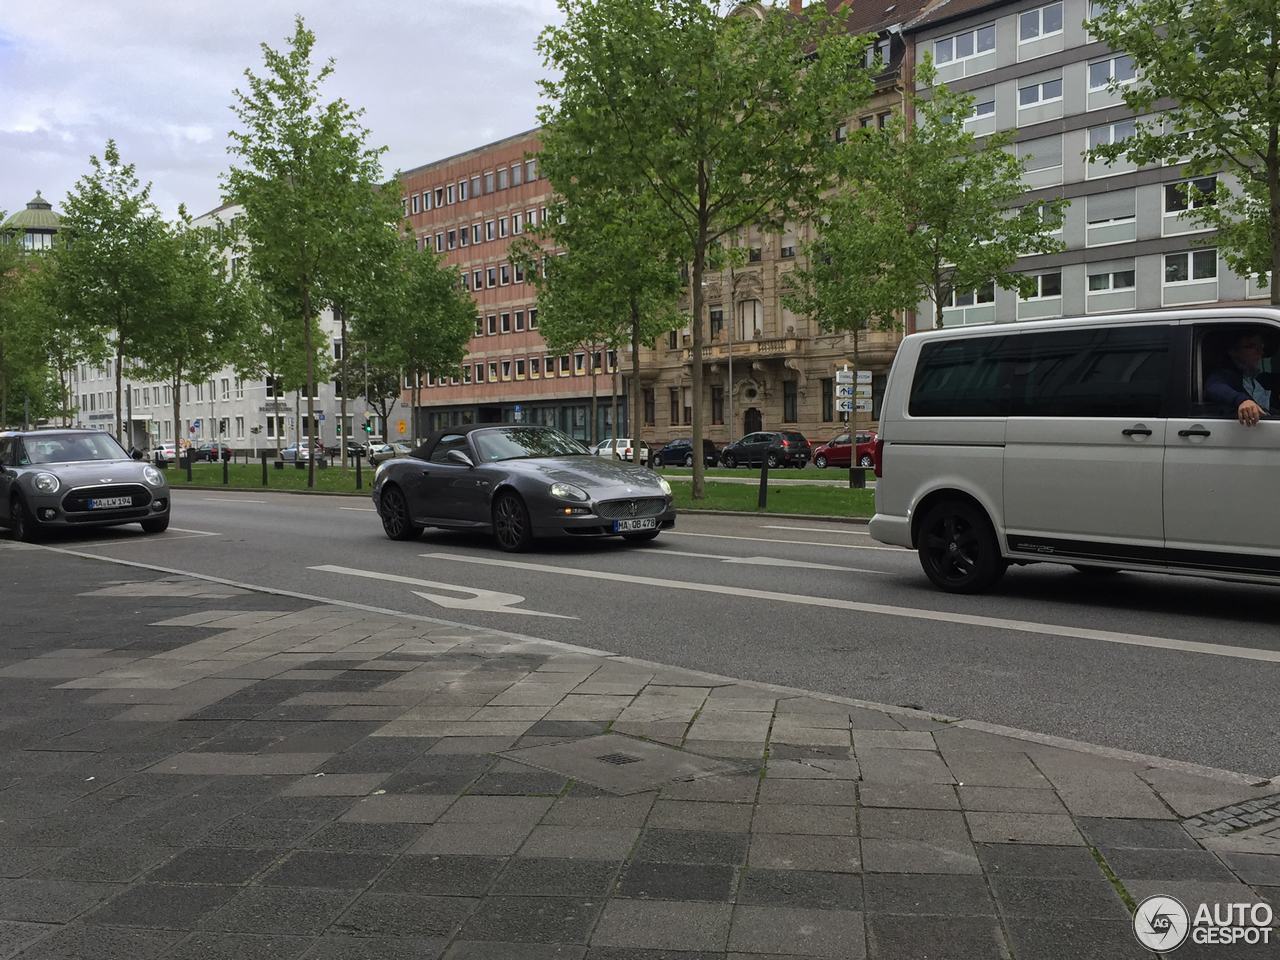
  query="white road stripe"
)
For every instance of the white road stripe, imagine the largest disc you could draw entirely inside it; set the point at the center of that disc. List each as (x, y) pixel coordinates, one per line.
(799, 543)
(359, 509)
(769, 562)
(942, 616)
(832, 529)
(229, 500)
(203, 533)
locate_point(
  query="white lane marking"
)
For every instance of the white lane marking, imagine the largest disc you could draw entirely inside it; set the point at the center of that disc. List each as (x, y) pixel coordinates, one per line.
(769, 562)
(229, 500)
(359, 509)
(831, 530)
(486, 601)
(997, 623)
(203, 533)
(799, 543)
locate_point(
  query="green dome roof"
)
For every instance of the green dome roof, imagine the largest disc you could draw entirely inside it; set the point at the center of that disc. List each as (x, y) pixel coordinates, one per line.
(39, 215)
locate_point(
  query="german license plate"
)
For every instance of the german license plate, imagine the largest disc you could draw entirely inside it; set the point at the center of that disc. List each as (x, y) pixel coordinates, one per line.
(627, 526)
(110, 503)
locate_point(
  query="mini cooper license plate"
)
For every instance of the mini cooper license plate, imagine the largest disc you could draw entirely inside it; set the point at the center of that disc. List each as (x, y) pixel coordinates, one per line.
(110, 503)
(627, 526)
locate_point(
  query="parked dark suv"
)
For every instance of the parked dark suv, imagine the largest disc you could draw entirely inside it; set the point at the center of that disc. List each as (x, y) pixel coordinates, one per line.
(779, 448)
(679, 453)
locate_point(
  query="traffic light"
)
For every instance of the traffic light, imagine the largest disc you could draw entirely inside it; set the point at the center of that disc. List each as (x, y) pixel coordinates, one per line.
(368, 425)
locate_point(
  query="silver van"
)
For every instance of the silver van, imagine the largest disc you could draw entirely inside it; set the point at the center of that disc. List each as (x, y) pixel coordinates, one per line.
(1143, 441)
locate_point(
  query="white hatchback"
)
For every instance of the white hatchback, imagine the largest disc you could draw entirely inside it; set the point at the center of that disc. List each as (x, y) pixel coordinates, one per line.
(623, 448)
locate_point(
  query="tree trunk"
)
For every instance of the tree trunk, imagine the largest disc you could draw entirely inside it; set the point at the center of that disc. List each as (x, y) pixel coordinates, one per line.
(297, 423)
(591, 369)
(62, 396)
(342, 375)
(636, 417)
(4, 391)
(311, 389)
(177, 411)
(617, 427)
(1273, 193)
(119, 405)
(699, 265)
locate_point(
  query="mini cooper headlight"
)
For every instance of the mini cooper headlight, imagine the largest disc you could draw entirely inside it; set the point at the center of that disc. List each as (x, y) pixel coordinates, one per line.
(153, 476)
(46, 483)
(666, 487)
(567, 491)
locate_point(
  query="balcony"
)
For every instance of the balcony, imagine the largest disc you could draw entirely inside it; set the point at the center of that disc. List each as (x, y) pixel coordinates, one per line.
(763, 347)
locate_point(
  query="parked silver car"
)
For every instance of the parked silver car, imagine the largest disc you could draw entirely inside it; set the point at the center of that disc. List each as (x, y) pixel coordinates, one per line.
(76, 478)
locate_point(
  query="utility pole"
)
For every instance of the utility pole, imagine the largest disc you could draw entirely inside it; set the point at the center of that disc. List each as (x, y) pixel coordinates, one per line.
(128, 406)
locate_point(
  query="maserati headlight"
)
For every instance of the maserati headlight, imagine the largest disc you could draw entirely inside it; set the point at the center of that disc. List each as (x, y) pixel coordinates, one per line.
(666, 487)
(46, 483)
(567, 491)
(153, 476)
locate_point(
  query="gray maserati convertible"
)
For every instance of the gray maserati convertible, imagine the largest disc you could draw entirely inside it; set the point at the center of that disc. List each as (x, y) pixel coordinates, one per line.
(76, 478)
(518, 482)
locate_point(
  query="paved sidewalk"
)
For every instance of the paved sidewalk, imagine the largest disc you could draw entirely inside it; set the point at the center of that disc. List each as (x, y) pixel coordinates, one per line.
(196, 771)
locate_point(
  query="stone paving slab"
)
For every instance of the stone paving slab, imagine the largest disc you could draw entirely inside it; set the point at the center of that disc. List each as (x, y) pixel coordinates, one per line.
(247, 775)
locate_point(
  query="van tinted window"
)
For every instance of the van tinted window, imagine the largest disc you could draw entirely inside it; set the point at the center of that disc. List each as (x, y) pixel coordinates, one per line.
(1105, 372)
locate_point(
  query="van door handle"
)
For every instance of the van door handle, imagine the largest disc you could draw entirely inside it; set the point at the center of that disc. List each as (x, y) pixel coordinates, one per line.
(1136, 432)
(1196, 432)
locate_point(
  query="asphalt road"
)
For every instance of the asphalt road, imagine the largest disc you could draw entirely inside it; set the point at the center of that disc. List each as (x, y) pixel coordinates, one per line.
(1178, 667)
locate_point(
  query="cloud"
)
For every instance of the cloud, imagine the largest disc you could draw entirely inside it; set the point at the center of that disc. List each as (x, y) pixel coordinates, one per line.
(434, 78)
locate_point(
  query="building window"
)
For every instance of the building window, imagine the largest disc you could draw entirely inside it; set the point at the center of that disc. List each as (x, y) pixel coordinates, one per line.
(479, 378)
(565, 363)
(439, 197)
(475, 186)
(1110, 281)
(439, 243)
(503, 179)
(787, 246)
(449, 194)
(673, 394)
(516, 224)
(1118, 69)
(789, 401)
(504, 274)
(520, 368)
(1040, 93)
(673, 340)
(717, 321)
(649, 407)
(239, 428)
(687, 404)
(493, 324)
(530, 218)
(488, 181)
(477, 280)
(579, 363)
(493, 371)
(1111, 133)
(226, 389)
(717, 405)
(464, 237)
(876, 56)
(466, 373)
(518, 273)
(519, 320)
(530, 170)
(753, 254)
(506, 323)
(502, 226)
(462, 190)
(475, 233)
(1040, 23)
(452, 239)
(535, 367)
(842, 133)
(533, 318)
(1190, 267)
(969, 298)
(404, 206)
(1047, 285)
(491, 277)
(517, 172)
(828, 400)
(882, 119)
(963, 46)
(1190, 194)
(488, 229)
(414, 203)
(479, 326)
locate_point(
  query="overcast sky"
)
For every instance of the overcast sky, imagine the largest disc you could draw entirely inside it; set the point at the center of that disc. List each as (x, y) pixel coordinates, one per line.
(435, 77)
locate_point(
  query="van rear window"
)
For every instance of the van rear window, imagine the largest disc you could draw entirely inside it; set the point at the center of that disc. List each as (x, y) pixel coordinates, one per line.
(1097, 372)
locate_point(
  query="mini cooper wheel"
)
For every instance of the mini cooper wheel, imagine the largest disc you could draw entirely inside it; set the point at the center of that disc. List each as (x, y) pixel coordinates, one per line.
(22, 524)
(511, 526)
(958, 548)
(393, 508)
(866, 461)
(820, 462)
(156, 524)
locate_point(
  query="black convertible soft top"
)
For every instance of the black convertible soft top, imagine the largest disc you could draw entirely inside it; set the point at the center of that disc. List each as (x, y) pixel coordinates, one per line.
(424, 452)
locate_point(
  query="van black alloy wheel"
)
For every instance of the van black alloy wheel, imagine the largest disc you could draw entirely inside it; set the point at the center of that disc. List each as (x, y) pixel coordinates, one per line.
(511, 523)
(958, 549)
(394, 510)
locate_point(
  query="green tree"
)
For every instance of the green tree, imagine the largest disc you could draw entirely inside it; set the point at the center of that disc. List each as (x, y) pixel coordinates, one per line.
(922, 210)
(203, 313)
(1219, 61)
(24, 369)
(303, 177)
(377, 368)
(725, 113)
(111, 263)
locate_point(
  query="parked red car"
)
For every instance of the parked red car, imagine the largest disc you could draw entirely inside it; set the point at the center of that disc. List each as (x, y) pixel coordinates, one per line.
(837, 452)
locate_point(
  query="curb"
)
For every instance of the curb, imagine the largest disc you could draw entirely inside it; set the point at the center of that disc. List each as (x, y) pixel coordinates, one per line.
(1233, 777)
(219, 488)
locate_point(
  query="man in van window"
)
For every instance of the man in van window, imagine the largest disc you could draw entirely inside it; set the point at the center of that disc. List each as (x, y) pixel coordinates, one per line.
(1243, 389)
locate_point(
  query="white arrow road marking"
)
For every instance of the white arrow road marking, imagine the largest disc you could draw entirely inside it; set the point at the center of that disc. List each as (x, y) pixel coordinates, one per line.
(800, 543)
(487, 601)
(831, 530)
(769, 562)
(359, 509)
(943, 616)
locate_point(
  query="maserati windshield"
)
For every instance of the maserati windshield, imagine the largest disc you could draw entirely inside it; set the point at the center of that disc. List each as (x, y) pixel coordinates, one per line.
(516, 443)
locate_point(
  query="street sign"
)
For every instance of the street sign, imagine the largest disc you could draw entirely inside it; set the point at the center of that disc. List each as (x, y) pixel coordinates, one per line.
(864, 406)
(844, 376)
(864, 376)
(844, 390)
(400, 426)
(844, 405)
(320, 416)
(863, 391)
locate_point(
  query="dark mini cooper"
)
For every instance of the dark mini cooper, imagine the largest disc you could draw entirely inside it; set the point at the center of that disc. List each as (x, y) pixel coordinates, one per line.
(518, 482)
(76, 478)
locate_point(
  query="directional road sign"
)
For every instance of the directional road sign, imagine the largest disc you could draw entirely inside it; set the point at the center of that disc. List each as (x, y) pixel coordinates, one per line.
(844, 376)
(844, 390)
(845, 405)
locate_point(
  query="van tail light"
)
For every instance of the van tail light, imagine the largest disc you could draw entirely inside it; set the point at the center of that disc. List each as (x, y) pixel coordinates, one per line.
(879, 457)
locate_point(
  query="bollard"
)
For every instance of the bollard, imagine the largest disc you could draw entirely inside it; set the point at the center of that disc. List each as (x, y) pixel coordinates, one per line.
(764, 484)
(359, 479)
(189, 459)
(226, 470)
(857, 477)
(264, 468)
